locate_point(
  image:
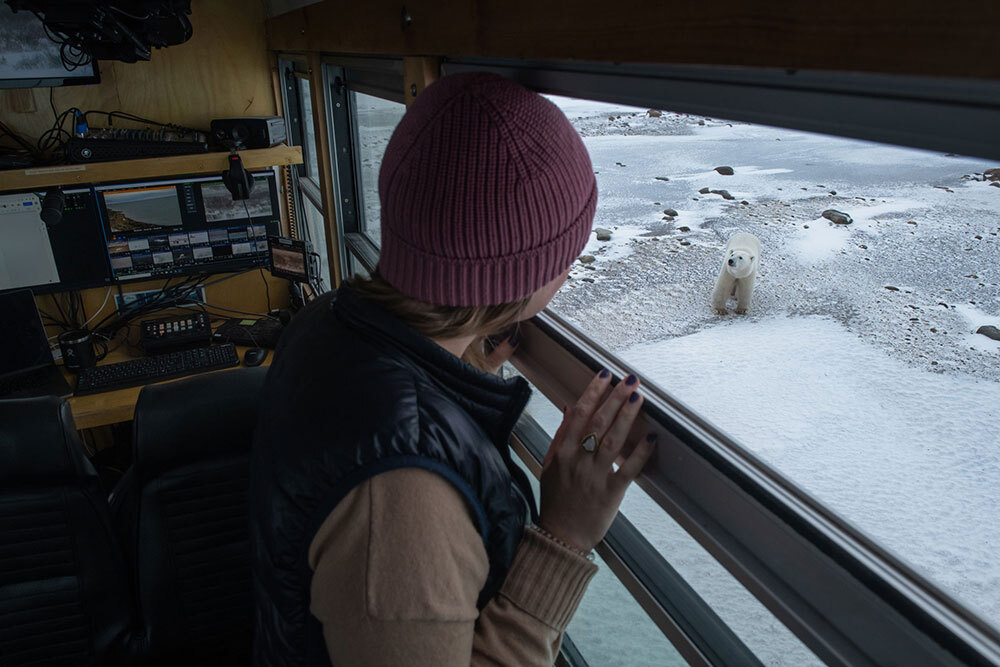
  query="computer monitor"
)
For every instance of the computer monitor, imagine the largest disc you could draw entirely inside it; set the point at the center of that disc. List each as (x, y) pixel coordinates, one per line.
(290, 259)
(69, 255)
(23, 346)
(28, 58)
(163, 228)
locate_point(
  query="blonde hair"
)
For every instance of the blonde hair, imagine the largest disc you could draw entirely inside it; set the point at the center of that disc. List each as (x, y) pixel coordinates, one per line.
(434, 321)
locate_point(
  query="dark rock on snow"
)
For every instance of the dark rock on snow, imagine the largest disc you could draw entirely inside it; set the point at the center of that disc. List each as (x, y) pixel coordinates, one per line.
(725, 171)
(670, 212)
(703, 191)
(989, 331)
(587, 259)
(837, 217)
(602, 234)
(723, 193)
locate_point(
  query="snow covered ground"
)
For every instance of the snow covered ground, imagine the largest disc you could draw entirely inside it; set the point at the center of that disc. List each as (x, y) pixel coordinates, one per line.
(857, 374)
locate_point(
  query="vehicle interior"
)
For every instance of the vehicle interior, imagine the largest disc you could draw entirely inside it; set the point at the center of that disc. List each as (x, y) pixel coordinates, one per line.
(178, 178)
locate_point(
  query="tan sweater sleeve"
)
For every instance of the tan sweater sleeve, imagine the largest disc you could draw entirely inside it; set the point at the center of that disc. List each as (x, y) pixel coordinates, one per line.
(398, 566)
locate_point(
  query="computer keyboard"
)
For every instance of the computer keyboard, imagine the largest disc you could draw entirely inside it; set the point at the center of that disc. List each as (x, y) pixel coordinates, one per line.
(136, 372)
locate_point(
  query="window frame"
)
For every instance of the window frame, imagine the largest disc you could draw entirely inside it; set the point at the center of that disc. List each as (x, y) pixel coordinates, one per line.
(379, 77)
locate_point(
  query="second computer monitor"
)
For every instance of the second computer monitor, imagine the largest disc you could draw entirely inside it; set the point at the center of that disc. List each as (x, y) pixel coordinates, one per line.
(156, 229)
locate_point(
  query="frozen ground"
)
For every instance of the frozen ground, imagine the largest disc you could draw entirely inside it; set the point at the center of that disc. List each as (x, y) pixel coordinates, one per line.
(870, 327)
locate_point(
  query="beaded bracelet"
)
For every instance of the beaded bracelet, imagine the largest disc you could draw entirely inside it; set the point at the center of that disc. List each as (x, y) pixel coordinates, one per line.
(546, 534)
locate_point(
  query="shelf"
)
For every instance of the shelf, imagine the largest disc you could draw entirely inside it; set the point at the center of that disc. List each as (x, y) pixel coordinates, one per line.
(128, 170)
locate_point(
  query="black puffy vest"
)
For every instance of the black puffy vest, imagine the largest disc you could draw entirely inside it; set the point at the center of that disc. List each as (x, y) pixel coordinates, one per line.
(352, 393)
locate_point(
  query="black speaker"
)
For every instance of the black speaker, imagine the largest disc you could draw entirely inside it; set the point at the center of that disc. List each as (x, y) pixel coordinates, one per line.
(251, 132)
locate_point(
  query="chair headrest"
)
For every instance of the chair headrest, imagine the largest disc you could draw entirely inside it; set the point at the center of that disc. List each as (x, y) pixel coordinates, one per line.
(39, 442)
(195, 419)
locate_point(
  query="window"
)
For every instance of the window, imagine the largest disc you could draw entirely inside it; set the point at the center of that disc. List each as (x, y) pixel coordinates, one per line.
(375, 120)
(309, 160)
(316, 234)
(859, 349)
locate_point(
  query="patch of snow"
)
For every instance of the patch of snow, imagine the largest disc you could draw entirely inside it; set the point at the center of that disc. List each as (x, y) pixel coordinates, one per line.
(906, 455)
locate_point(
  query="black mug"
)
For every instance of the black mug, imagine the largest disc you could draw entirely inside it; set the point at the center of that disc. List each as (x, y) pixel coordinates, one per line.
(77, 349)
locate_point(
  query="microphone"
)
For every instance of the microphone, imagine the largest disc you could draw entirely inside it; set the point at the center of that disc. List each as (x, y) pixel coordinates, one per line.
(52, 206)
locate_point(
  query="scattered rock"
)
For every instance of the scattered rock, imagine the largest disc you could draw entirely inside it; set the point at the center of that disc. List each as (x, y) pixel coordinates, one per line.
(656, 203)
(891, 288)
(723, 193)
(661, 178)
(654, 113)
(995, 184)
(701, 122)
(911, 222)
(745, 202)
(833, 192)
(941, 187)
(602, 234)
(685, 242)
(725, 171)
(684, 229)
(992, 174)
(587, 280)
(805, 226)
(933, 330)
(863, 247)
(703, 191)
(587, 259)
(837, 217)
(670, 212)
(989, 330)
(619, 164)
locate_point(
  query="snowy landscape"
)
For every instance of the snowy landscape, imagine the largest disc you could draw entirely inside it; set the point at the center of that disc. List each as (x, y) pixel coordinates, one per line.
(857, 373)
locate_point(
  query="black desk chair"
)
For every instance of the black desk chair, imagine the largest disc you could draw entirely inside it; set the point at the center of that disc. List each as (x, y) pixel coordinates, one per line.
(63, 591)
(181, 513)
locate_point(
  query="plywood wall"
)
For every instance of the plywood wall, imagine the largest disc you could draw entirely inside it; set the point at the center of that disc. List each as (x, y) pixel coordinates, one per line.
(224, 70)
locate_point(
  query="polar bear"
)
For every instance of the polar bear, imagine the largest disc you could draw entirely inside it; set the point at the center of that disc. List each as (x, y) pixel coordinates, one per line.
(738, 272)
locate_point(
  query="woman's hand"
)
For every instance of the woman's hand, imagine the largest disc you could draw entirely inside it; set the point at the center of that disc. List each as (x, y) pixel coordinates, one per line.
(501, 352)
(581, 491)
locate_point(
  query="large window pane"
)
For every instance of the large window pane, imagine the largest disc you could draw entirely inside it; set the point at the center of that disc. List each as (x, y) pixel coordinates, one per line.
(376, 120)
(757, 627)
(308, 131)
(857, 372)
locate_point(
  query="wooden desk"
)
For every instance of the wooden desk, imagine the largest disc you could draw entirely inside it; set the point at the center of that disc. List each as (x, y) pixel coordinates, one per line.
(119, 406)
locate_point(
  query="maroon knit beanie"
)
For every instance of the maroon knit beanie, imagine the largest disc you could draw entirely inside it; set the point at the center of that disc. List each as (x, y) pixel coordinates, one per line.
(487, 194)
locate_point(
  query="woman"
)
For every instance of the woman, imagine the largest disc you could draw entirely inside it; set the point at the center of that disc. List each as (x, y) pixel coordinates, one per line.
(389, 523)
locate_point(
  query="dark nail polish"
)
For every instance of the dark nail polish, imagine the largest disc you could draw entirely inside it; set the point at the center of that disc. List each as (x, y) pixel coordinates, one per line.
(631, 380)
(651, 438)
(514, 339)
(604, 373)
(634, 397)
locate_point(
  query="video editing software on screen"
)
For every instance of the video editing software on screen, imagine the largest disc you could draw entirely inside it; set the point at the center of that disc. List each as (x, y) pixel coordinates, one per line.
(161, 228)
